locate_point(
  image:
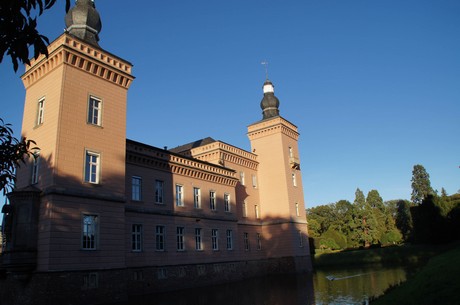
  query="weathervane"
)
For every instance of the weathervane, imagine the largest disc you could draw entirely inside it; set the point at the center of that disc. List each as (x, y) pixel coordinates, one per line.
(265, 63)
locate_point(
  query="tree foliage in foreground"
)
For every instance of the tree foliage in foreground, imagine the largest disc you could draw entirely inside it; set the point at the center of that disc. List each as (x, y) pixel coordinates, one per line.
(421, 185)
(18, 29)
(13, 152)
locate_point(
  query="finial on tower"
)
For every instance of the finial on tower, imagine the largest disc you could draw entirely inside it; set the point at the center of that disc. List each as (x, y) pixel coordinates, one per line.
(83, 21)
(265, 64)
(270, 102)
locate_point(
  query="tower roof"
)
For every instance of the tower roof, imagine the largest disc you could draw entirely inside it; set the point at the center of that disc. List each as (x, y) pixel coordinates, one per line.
(270, 102)
(83, 21)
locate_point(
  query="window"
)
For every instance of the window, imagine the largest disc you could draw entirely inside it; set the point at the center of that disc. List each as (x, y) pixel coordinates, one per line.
(94, 111)
(197, 198)
(300, 239)
(35, 167)
(136, 188)
(291, 153)
(259, 242)
(198, 244)
(256, 210)
(242, 178)
(89, 230)
(229, 240)
(136, 238)
(246, 241)
(160, 238)
(179, 195)
(254, 181)
(227, 205)
(180, 238)
(215, 239)
(40, 111)
(90, 281)
(159, 186)
(92, 167)
(212, 200)
(245, 210)
(294, 180)
(297, 212)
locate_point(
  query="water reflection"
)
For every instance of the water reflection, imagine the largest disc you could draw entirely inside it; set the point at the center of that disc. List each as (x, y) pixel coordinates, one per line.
(355, 285)
(351, 286)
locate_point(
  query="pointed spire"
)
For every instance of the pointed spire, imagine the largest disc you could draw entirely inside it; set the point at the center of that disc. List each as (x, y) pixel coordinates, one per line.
(83, 21)
(270, 102)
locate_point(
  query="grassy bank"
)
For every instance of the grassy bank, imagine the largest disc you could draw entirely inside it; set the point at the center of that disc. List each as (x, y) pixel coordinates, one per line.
(437, 283)
(385, 256)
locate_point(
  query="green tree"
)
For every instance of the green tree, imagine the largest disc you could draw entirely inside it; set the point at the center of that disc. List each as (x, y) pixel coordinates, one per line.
(13, 152)
(404, 219)
(421, 185)
(18, 29)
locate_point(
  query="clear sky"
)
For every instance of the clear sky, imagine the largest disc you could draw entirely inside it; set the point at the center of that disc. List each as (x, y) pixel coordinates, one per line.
(373, 86)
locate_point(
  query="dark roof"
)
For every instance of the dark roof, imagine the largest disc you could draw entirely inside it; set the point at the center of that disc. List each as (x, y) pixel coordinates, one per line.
(191, 145)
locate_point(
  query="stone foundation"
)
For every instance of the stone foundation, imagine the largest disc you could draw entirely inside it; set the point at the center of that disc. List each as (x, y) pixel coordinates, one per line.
(109, 286)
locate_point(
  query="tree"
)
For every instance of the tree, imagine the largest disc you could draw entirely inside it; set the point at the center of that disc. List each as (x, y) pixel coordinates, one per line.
(421, 185)
(13, 152)
(18, 29)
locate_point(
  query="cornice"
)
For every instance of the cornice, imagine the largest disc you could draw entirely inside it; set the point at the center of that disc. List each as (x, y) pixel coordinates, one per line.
(71, 51)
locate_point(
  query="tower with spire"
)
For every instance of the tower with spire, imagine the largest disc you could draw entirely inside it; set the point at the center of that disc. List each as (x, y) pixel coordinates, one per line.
(275, 142)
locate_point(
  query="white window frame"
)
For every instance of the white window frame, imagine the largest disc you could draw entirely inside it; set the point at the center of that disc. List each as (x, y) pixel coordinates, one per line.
(90, 226)
(198, 239)
(212, 200)
(136, 188)
(94, 111)
(227, 202)
(159, 191)
(246, 241)
(179, 195)
(245, 209)
(160, 238)
(215, 239)
(197, 197)
(254, 181)
(136, 237)
(300, 239)
(40, 112)
(297, 212)
(180, 238)
(229, 240)
(256, 211)
(242, 180)
(35, 168)
(294, 179)
(92, 167)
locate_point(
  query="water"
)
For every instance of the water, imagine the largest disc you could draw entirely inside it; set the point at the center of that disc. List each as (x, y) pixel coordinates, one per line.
(332, 287)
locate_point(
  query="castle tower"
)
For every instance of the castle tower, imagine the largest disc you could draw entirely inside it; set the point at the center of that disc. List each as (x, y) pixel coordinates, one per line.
(75, 111)
(275, 142)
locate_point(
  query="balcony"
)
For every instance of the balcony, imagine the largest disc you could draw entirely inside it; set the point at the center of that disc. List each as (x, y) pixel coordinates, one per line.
(294, 162)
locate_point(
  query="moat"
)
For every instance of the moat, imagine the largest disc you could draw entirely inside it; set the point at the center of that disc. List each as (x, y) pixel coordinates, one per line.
(332, 286)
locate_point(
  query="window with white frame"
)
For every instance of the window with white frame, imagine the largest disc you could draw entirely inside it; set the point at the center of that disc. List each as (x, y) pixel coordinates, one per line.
(215, 239)
(256, 211)
(227, 204)
(246, 241)
(300, 239)
(229, 240)
(136, 188)
(179, 195)
(291, 153)
(245, 209)
(35, 167)
(160, 238)
(94, 111)
(159, 189)
(254, 181)
(197, 198)
(180, 238)
(212, 200)
(92, 167)
(259, 241)
(242, 178)
(136, 238)
(297, 212)
(198, 239)
(89, 232)
(294, 180)
(40, 111)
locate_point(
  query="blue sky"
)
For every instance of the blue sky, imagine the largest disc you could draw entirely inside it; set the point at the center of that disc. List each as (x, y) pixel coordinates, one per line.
(374, 86)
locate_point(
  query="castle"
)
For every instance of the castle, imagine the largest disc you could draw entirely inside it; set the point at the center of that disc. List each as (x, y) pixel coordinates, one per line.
(96, 215)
